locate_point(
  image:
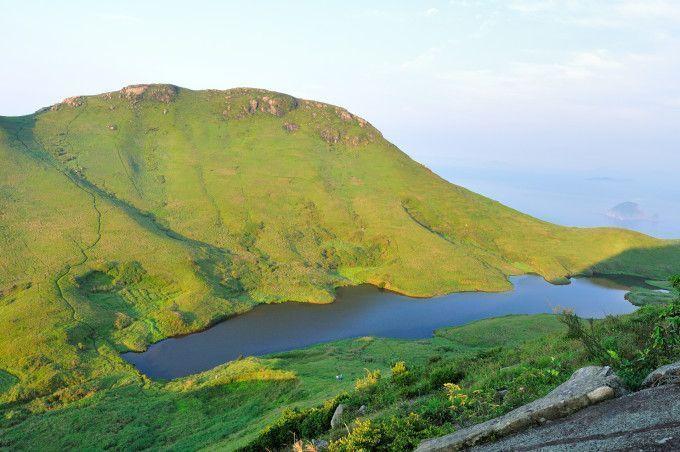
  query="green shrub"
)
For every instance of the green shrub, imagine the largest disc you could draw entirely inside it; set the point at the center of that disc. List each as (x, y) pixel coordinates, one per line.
(451, 373)
(398, 368)
(398, 433)
(362, 437)
(436, 409)
(634, 345)
(369, 381)
(128, 273)
(675, 281)
(457, 397)
(293, 425)
(402, 376)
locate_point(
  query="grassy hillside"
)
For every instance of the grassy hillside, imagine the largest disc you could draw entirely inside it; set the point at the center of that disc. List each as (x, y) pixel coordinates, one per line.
(259, 403)
(228, 407)
(154, 211)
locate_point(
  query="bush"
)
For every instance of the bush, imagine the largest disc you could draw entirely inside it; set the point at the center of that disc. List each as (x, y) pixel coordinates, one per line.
(436, 409)
(369, 381)
(362, 437)
(295, 424)
(398, 368)
(635, 345)
(128, 273)
(457, 397)
(402, 376)
(451, 373)
(397, 433)
(675, 281)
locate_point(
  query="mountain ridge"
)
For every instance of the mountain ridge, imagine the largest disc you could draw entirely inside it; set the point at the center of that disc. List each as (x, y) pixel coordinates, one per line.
(153, 211)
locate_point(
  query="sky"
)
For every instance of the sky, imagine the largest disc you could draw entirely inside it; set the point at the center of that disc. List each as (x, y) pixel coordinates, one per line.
(545, 85)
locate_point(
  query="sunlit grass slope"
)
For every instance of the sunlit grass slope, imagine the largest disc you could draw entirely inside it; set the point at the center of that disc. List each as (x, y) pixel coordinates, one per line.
(227, 407)
(131, 216)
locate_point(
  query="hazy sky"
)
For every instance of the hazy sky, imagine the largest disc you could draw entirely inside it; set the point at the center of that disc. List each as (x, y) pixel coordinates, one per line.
(551, 84)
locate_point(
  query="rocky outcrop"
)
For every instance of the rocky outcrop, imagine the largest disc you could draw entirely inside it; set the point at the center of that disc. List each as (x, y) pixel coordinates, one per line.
(586, 386)
(330, 136)
(665, 375)
(243, 102)
(645, 420)
(160, 93)
(337, 416)
(290, 126)
(73, 101)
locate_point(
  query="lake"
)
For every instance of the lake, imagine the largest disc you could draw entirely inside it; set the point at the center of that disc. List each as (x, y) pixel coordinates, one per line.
(368, 311)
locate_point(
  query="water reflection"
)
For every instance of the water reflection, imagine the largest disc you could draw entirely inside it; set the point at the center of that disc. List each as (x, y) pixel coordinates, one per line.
(368, 311)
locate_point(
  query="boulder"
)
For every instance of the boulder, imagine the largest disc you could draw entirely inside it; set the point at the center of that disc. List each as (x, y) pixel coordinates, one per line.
(646, 420)
(337, 416)
(500, 395)
(586, 386)
(600, 394)
(320, 444)
(664, 375)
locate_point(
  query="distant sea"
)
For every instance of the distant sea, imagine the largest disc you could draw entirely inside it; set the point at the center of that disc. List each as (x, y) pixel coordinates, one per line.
(580, 198)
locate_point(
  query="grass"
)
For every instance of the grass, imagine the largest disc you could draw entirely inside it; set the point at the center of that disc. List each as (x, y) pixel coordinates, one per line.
(407, 399)
(7, 380)
(137, 215)
(415, 400)
(228, 406)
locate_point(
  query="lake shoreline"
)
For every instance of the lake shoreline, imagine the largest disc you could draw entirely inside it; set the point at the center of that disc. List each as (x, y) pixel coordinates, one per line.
(277, 336)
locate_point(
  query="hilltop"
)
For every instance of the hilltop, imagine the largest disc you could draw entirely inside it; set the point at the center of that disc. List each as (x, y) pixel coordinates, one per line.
(153, 211)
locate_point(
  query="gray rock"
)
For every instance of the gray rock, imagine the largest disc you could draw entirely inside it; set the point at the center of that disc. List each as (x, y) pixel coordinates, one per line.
(664, 375)
(320, 444)
(362, 409)
(600, 394)
(646, 420)
(337, 416)
(586, 386)
(500, 395)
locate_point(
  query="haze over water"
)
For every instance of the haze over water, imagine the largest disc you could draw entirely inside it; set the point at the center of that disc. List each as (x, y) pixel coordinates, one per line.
(579, 198)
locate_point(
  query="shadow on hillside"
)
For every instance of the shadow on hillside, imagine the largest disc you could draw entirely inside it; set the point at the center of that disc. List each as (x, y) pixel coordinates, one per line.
(651, 263)
(208, 259)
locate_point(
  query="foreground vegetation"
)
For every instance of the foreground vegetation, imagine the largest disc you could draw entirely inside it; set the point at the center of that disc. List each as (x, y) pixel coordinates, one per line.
(229, 405)
(415, 401)
(132, 216)
(410, 389)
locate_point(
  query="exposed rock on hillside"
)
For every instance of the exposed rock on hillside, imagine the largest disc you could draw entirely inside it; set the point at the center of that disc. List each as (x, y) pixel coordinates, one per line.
(73, 101)
(290, 127)
(161, 93)
(645, 420)
(665, 375)
(337, 416)
(586, 386)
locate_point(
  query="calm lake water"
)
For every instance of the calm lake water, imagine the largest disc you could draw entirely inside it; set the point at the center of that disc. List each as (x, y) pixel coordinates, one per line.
(367, 311)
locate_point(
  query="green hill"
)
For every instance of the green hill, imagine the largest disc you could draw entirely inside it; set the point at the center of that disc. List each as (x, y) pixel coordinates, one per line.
(154, 211)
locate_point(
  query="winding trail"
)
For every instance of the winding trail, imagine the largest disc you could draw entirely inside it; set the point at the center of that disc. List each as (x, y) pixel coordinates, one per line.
(76, 317)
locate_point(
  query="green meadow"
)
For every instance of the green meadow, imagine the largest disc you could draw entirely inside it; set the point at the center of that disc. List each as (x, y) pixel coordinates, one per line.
(155, 211)
(230, 405)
